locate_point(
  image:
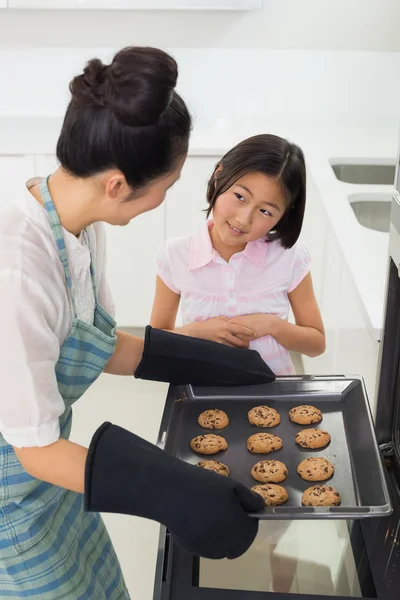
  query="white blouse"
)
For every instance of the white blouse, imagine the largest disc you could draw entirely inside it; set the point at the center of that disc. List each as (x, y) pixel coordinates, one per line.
(36, 316)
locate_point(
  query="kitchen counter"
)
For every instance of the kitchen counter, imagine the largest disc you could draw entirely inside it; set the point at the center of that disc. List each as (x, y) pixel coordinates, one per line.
(365, 251)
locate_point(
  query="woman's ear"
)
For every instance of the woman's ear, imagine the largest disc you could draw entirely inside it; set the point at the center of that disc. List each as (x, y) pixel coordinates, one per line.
(116, 187)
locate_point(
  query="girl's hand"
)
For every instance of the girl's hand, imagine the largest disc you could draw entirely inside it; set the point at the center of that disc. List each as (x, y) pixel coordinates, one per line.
(222, 330)
(262, 324)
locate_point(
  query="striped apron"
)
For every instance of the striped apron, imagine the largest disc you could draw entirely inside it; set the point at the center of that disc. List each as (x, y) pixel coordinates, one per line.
(49, 547)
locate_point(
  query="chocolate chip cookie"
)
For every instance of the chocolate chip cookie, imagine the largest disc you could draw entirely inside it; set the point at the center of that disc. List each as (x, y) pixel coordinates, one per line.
(264, 443)
(264, 416)
(312, 438)
(208, 444)
(269, 471)
(315, 469)
(214, 465)
(305, 414)
(213, 419)
(321, 495)
(271, 494)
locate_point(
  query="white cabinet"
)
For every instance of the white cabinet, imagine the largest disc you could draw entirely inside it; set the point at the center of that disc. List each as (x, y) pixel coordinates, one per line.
(131, 266)
(3, 3)
(314, 234)
(356, 352)
(45, 164)
(14, 171)
(135, 4)
(349, 348)
(186, 202)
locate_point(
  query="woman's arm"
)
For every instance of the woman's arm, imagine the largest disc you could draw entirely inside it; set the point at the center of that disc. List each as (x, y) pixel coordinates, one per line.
(61, 463)
(307, 336)
(127, 354)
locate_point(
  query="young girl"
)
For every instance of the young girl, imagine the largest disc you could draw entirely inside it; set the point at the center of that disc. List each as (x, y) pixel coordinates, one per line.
(237, 276)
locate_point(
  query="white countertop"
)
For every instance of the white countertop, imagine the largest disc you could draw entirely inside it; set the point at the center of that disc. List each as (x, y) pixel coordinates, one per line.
(365, 251)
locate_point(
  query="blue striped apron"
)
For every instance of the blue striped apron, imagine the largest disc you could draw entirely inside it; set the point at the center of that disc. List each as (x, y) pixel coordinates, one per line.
(49, 547)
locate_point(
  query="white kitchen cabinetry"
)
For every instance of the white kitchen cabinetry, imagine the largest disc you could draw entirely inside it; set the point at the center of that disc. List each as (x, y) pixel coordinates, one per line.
(135, 4)
(14, 171)
(314, 235)
(45, 164)
(131, 266)
(186, 201)
(356, 352)
(3, 3)
(350, 350)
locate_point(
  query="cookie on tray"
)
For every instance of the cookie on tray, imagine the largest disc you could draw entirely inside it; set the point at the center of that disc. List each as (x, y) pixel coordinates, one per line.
(264, 443)
(213, 419)
(264, 416)
(321, 495)
(208, 444)
(315, 469)
(214, 465)
(305, 414)
(313, 438)
(272, 494)
(269, 471)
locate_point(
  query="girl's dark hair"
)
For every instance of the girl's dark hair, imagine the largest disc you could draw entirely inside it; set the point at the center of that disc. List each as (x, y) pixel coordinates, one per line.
(125, 115)
(275, 157)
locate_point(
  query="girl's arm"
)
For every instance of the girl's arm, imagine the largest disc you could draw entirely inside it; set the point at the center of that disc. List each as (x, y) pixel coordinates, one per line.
(219, 329)
(165, 307)
(307, 336)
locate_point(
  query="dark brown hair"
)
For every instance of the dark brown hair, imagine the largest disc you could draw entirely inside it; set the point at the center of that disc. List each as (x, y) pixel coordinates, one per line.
(275, 157)
(125, 115)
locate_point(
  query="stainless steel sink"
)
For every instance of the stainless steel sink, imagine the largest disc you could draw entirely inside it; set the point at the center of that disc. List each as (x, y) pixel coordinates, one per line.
(372, 210)
(373, 174)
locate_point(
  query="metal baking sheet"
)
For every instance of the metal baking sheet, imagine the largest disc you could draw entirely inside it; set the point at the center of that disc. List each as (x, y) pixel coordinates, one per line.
(359, 476)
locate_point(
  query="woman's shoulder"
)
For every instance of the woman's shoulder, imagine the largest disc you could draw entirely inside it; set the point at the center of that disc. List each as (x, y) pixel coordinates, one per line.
(24, 242)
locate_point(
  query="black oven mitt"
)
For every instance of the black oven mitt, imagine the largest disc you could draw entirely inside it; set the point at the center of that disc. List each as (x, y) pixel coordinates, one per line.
(181, 359)
(207, 513)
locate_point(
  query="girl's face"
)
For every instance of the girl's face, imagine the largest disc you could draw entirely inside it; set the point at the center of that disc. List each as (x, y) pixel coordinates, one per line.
(248, 210)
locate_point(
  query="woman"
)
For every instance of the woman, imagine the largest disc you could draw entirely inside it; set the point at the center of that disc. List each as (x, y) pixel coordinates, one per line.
(122, 145)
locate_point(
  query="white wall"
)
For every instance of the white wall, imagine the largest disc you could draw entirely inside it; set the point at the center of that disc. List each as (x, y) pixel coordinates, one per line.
(245, 83)
(328, 24)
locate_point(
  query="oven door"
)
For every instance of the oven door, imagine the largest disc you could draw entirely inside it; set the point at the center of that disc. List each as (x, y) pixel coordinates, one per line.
(293, 560)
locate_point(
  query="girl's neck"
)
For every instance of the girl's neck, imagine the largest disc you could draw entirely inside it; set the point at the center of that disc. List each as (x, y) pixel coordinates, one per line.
(226, 252)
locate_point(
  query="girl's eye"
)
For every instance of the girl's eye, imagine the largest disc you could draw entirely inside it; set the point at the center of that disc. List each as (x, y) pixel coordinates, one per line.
(265, 212)
(239, 197)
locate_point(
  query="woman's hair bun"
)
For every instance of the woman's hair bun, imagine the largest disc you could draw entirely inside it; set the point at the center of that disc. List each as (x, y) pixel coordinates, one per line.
(136, 87)
(87, 89)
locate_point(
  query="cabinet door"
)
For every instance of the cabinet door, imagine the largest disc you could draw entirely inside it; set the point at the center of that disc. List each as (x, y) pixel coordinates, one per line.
(356, 352)
(131, 266)
(45, 164)
(14, 171)
(329, 305)
(186, 201)
(314, 234)
(3, 3)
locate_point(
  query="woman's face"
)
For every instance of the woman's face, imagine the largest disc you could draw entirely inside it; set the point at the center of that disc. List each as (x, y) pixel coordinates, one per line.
(249, 209)
(124, 204)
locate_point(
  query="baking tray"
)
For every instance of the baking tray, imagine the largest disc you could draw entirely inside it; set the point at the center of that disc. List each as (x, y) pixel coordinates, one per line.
(359, 474)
